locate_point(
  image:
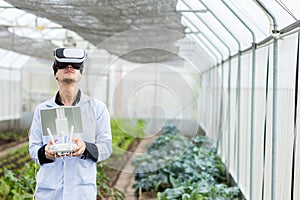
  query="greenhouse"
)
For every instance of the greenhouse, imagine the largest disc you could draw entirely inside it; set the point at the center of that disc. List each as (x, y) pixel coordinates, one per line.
(149, 99)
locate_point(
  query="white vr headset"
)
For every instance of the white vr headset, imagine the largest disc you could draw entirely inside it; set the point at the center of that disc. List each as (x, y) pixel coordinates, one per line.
(68, 55)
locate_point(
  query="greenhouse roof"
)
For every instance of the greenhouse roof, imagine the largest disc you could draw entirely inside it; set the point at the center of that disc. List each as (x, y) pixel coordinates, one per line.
(220, 28)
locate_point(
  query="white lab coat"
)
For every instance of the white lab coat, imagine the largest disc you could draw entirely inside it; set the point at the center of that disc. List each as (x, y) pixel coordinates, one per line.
(72, 178)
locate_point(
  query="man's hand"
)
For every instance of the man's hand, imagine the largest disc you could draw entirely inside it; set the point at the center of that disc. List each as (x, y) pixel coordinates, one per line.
(49, 154)
(78, 151)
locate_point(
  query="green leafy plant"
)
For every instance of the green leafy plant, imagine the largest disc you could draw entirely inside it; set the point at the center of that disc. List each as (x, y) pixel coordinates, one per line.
(15, 185)
(179, 168)
(124, 133)
(15, 160)
(9, 137)
(105, 191)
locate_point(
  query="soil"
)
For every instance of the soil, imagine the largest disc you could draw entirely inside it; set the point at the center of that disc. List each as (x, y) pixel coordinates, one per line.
(148, 195)
(126, 176)
(112, 172)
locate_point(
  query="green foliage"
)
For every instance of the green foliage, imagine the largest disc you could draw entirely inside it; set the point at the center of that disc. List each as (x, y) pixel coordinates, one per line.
(124, 133)
(178, 168)
(104, 189)
(13, 135)
(15, 160)
(17, 185)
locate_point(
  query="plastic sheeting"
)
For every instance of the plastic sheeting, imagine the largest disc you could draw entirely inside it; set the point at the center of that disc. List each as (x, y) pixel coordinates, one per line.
(232, 129)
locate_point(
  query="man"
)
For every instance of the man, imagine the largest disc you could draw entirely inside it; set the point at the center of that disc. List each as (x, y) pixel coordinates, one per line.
(70, 177)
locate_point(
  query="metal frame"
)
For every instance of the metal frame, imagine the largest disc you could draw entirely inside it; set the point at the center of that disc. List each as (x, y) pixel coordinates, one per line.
(274, 37)
(252, 95)
(275, 95)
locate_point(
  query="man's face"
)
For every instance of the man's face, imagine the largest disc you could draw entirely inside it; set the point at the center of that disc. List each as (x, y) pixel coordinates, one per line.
(68, 75)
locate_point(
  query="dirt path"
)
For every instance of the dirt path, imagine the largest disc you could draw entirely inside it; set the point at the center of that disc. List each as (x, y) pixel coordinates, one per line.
(126, 178)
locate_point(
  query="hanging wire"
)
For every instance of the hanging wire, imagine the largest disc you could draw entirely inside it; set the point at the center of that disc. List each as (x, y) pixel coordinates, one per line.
(286, 9)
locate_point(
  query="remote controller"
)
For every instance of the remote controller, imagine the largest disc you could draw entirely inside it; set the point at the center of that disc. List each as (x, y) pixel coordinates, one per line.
(63, 148)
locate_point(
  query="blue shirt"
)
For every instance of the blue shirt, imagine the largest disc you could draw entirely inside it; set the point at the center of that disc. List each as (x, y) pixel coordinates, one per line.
(72, 177)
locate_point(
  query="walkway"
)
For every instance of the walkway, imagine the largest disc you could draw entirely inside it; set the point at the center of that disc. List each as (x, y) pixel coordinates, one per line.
(126, 178)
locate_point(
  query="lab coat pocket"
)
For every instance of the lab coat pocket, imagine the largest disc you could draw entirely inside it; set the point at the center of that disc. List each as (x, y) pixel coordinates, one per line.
(47, 176)
(83, 171)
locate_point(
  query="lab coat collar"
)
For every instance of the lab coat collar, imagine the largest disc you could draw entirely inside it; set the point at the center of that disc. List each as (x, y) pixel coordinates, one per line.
(83, 99)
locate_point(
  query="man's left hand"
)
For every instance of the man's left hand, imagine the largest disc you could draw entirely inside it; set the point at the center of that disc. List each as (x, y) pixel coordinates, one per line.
(78, 151)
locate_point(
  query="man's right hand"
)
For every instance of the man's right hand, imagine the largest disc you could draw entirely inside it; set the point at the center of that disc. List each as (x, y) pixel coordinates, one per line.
(49, 154)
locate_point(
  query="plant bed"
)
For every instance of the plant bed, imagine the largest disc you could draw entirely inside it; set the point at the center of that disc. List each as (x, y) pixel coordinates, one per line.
(114, 173)
(176, 167)
(126, 137)
(10, 138)
(15, 159)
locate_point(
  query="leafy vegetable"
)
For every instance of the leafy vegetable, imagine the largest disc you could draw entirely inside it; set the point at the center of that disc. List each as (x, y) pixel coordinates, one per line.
(179, 168)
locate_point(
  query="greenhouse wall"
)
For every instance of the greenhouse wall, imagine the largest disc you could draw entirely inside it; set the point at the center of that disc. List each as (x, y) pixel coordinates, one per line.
(10, 102)
(228, 119)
